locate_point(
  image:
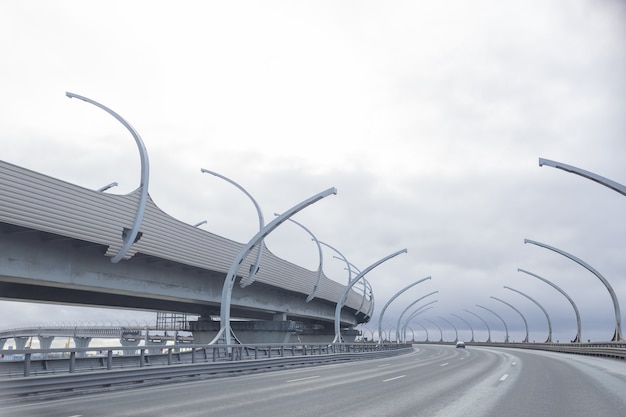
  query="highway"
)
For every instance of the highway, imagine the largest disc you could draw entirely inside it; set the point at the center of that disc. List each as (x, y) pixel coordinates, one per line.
(431, 381)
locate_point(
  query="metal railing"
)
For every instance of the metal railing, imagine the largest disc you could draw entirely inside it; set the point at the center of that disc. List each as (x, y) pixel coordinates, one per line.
(40, 378)
(36, 362)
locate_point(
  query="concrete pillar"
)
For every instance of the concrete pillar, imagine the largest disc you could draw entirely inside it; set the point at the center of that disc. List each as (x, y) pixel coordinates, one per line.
(45, 342)
(81, 342)
(2, 342)
(204, 330)
(20, 342)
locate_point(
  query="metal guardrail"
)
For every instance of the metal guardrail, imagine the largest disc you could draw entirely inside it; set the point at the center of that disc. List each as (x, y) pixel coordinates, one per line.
(615, 350)
(199, 360)
(36, 362)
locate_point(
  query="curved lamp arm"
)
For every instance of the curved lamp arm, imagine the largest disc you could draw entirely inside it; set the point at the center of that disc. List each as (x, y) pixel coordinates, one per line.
(321, 258)
(255, 268)
(506, 329)
(227, 289)
(344, 296)
(131, 237)
(518, 312)
(398, 326)
(617, 336)
(586, 174)
(396, 295)
(484, 322)
(556, 287)
(417, 312)
(467, 323)
(549, 339)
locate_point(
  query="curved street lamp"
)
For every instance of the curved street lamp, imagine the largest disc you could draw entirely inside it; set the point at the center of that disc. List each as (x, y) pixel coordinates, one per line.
(617, 336)
(396, 295)
(586, 174)
(456, 332)
(108, 186)
(366, 284)
(132, 235)
(577, 339)
(424, 330)
(549, 339)
(521, 315)
(227, 289)
(417, 312)
(506, 329)
(440, 331)
(321, 258)
(344, 296)
(484, 322)
(255, 268)
(406, 309)
(467, 323)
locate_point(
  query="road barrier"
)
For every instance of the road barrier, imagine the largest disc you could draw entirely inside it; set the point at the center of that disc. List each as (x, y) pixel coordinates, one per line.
(34, 375)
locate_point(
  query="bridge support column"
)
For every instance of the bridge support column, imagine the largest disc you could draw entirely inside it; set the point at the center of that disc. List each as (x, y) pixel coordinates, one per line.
(2, 342)
(204, 330)
(278, 330)
(45, 342)
(129, 343)
(81, 342)
(20, 342)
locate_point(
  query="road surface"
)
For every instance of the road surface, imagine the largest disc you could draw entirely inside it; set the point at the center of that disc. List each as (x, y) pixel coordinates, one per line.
(432, 381)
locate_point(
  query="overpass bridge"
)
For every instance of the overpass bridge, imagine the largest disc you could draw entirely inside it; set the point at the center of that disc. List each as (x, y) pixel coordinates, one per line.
(57, 239)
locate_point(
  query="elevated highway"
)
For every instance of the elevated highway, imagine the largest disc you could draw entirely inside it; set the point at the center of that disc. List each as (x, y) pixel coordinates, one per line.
(57, 239)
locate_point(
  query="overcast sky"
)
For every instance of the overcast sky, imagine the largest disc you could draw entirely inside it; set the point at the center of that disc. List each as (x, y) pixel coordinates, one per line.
(428, 117)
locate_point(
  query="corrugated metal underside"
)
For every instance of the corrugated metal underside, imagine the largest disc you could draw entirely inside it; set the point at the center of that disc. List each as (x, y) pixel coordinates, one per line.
(36, 201)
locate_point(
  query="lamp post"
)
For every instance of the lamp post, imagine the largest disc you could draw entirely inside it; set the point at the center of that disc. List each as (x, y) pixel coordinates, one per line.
(424, 330)
(549, 339)
(132, 235)
(108, 186)
(521, 315)
(406, 309)
(467, 323)
(255, 268)
(396, 295)
(416, 313)
(321, 258)
(456, 332)
(344, 296)
(617, 336)
(484, 322)
(586, 174)
(227, 289)
(506, 329)
(349, 267)
(440, 331)
(553, 285)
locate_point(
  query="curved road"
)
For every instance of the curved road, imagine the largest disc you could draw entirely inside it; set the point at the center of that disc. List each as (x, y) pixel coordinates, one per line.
(432, 381)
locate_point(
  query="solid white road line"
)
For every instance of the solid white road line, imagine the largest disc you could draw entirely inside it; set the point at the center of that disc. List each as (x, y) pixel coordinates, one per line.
(304, 379)
(395, 377)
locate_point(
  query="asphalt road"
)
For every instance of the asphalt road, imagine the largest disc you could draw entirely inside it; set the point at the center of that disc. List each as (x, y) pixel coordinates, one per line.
(432, 381)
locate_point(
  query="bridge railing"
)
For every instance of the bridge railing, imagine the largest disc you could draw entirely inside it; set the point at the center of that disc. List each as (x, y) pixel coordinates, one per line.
(615, 350)
(36, 362)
